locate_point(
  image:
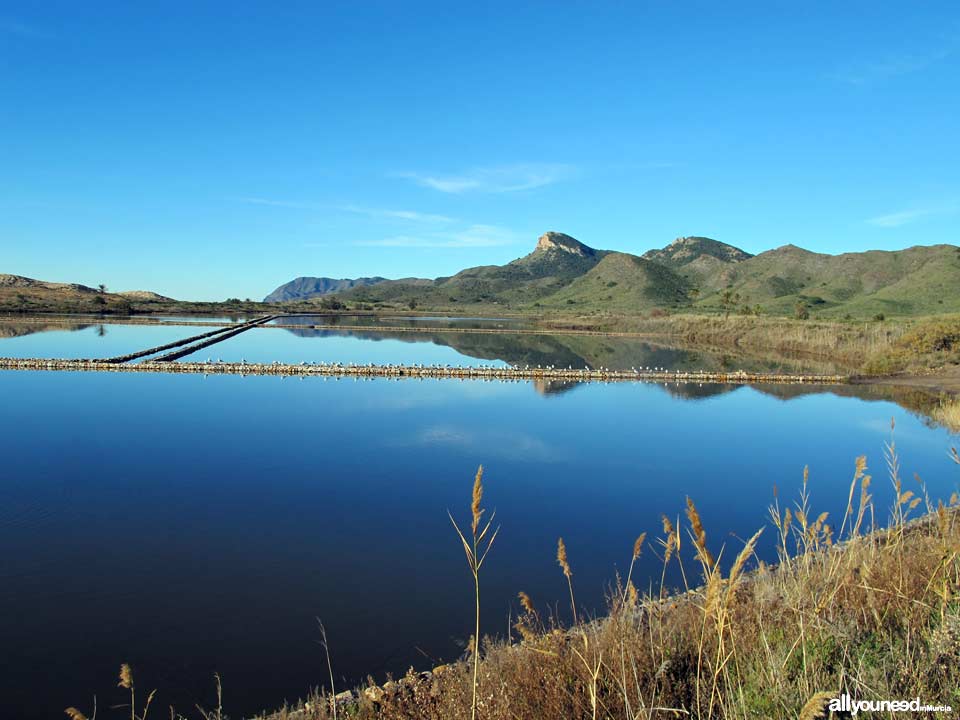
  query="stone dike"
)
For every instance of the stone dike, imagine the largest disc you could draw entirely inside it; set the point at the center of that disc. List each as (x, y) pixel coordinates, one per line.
(419, 371)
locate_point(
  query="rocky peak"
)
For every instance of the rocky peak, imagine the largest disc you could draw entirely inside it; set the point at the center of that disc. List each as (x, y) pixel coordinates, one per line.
(558, 241)
(687, 249)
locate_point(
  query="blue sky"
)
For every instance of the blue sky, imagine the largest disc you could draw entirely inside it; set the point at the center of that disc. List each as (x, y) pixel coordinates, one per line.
(207, 150)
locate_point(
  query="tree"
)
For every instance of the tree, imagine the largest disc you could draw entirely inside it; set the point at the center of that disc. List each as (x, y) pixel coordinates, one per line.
(728, 301)
(412, 304)
(102, 288)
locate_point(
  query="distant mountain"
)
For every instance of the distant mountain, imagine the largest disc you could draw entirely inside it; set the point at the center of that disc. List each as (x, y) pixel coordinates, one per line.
(556, 261)
(694, 273)
(689, 250)
(304, 288)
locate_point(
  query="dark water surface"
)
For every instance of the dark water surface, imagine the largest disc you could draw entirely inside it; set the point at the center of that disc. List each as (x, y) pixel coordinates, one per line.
(192, 525)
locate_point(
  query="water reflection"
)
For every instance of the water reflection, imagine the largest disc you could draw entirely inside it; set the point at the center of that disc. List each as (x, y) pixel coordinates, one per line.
(190, 525)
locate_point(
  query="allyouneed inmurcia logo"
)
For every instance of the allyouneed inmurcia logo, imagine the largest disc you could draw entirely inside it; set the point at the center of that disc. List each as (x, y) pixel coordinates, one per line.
(845, 703)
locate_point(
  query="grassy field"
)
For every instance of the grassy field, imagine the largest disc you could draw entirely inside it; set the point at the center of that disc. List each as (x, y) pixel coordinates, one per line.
(849, 607)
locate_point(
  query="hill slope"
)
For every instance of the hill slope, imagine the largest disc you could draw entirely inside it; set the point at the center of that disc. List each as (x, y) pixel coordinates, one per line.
(624, 282)
(917, 280)
(22, 294)
(303, 288)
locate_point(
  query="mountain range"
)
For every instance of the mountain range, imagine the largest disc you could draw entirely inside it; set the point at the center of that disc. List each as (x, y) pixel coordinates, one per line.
(695, 273)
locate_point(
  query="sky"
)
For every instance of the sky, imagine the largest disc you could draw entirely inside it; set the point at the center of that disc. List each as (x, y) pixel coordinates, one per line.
(207, 150)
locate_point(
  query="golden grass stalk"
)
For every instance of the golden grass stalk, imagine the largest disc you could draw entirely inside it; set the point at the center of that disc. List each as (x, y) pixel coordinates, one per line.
(814, 707)
(637, 550)
(126, 677)
(529, 624)
(567, 573)
(476, 550)
(75, 714)
(699, 537)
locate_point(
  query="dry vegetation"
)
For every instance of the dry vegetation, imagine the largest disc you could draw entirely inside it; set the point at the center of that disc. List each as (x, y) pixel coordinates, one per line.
(847, 342)
(947, 413)
(874, 347)
(849, 607)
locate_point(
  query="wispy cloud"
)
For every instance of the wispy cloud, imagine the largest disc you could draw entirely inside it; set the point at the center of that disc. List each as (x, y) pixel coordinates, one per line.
(470, 237)
(414, 229)
(410, 215)
(905, 217)
(502, 179)
(510, 445)
(868, 72)
(413, 216)
(20, 29)
(279, 203)
(898, 218)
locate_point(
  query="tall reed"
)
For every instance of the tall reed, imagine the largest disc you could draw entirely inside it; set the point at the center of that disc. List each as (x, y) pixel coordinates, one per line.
(476, 550)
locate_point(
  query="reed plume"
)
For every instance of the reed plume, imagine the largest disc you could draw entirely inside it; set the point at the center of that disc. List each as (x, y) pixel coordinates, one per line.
(126, 677)
(567, 573)
(637, 550)
(815, 706)
(699, 536)
(126, 682)
(529, 624)
(476, 550)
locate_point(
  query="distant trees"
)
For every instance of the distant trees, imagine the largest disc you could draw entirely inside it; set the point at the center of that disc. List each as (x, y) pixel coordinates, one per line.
(412, 304)
(329, 302)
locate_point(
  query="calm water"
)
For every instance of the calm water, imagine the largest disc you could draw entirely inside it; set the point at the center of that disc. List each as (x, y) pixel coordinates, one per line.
(86, 340)
(411, 321)
(189, 525)
(293, 345)
(265, 345)
(427, 345)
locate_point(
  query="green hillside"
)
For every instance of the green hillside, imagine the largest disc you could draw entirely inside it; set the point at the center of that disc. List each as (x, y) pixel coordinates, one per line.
(624, 282)
(915, 281)
(693, 273)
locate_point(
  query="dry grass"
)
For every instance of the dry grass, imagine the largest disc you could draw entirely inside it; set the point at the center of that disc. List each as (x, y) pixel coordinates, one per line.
(873, 612)
(848, 608)
(948, 414)
(846, 343)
